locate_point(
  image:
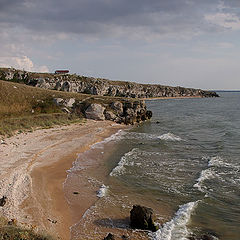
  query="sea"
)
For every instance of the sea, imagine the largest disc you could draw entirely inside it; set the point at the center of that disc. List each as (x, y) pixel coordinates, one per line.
(184, 164)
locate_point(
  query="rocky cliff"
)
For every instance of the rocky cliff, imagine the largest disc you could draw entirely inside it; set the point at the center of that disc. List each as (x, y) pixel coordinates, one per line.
(98, 86)
(118, 110)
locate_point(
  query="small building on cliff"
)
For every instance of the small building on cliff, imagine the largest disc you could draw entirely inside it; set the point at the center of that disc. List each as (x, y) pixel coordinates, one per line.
(61, 71)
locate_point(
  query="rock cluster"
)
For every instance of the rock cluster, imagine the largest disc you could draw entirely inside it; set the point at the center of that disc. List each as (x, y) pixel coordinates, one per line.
(122, 111)
(98, 86)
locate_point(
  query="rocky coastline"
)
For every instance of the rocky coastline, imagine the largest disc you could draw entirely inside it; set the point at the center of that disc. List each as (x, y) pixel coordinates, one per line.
(99, 86)
(122, 112)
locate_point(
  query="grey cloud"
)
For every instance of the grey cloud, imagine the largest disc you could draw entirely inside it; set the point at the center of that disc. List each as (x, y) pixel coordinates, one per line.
(106, 16)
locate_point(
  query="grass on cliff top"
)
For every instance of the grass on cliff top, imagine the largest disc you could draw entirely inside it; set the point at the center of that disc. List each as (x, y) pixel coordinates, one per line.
(13, 232)
(24, 107)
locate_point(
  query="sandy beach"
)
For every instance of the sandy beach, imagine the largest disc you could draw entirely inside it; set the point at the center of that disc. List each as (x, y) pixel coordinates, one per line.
(33, 170)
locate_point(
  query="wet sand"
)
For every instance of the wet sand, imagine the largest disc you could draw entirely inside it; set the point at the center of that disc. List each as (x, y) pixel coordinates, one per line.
(33, 170)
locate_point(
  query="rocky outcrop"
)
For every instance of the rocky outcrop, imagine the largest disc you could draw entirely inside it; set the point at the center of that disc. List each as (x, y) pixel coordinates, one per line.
(98, 86)
(121, 111)
(141, 218)
(126, 111)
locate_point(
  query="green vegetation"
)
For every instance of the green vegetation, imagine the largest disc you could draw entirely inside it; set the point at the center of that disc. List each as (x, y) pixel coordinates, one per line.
(10, 231)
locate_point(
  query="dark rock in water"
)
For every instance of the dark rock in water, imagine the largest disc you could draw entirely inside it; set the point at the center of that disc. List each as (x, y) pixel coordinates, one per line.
(3, 201)
(75, 193)
(141, 218)
(109, 237)
(149, 114)
(207, 237)
(157, 122)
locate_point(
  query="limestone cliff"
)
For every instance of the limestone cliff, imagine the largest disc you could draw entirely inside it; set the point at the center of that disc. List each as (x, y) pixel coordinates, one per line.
(98, 86)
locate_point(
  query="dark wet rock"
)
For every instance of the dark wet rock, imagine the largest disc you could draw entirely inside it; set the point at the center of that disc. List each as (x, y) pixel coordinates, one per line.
(3, 201)
(207, 237)
(75, 193)
(110, 236)
(149, 114)
(141, 218)
(125, 237)
(95, 111)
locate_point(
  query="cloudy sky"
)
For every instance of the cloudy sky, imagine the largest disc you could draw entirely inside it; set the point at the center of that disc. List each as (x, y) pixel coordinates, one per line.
(191, 43)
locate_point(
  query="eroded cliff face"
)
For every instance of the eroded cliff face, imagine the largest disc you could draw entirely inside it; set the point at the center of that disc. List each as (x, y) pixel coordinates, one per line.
(97, 86)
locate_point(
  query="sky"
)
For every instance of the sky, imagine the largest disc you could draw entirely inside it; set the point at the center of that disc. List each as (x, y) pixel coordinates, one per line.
(189, 43)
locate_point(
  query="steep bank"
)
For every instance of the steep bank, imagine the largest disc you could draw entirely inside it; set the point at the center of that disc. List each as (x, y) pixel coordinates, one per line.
(99, 86)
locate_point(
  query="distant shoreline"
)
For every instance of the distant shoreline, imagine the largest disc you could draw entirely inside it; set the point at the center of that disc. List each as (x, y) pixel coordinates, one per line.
(226, 90)
(162, 98)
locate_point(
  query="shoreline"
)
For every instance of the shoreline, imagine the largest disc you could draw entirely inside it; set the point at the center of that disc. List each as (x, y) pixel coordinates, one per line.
(34, 167)
(162, 98)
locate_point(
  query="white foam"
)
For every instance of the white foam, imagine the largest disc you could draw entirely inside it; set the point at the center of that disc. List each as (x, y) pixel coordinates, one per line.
(124, 161)
(114, 137)
(219, 162)
(176, 229)
(169, 137)
(205, 174)
(102, 192)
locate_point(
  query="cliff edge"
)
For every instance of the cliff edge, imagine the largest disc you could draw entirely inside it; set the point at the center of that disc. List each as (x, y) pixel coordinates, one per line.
(99, 86)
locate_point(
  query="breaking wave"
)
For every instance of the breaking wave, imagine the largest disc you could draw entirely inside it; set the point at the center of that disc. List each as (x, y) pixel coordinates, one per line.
(205, 174)
(169, 137)
(114, 137)
(176, 229)
(125, 161)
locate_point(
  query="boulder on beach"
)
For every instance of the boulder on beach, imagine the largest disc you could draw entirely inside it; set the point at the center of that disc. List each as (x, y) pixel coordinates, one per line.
(3, 201)
(109, 237)
(141, 218)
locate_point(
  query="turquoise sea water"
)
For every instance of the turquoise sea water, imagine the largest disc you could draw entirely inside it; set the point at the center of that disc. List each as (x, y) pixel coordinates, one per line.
(184, 163)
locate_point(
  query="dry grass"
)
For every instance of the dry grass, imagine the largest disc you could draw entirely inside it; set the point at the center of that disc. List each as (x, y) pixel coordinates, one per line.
(25, 108)
(13, 232)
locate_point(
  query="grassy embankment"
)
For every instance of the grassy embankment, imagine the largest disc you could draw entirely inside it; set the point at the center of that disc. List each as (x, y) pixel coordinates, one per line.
(25, 108)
